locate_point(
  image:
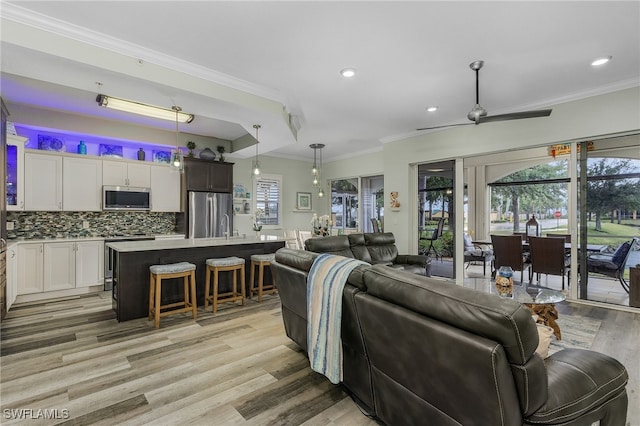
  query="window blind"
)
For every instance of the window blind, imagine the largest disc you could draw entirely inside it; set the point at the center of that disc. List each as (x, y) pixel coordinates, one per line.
(268, 192)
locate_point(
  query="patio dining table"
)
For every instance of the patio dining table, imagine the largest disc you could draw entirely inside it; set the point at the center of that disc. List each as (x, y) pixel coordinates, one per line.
(591, 248)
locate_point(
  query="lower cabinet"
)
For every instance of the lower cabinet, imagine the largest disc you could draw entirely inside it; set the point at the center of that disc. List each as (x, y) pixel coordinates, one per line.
(54, 266)
(12, 275)
(89, 263)
(59, 266)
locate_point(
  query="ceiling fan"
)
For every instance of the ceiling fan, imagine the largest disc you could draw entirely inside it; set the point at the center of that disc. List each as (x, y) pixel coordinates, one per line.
(479, 115)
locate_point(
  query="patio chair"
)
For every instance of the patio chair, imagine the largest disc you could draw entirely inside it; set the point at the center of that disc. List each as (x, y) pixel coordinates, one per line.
(507, 251)
(612, 265)
(547, 255)
(375, 224)
(474, 252)
(437, 233)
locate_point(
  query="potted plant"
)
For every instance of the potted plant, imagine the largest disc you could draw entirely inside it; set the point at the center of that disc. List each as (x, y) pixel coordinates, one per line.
(220, 150)
(191, 145)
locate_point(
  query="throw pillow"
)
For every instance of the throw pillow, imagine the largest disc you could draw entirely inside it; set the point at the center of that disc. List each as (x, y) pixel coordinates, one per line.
(621, 253)
(468, 243)
(544, 340)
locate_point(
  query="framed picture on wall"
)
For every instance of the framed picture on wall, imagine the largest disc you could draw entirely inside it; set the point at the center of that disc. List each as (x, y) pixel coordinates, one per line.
(303, 201)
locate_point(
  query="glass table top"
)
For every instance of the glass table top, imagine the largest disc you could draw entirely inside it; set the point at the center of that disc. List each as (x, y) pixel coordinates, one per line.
(531, 295)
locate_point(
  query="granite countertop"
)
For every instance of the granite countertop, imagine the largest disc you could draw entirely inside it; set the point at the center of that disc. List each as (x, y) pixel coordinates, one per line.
(149, 245)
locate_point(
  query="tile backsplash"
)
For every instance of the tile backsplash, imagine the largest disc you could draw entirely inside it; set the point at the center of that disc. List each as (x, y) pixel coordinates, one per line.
(38, 225)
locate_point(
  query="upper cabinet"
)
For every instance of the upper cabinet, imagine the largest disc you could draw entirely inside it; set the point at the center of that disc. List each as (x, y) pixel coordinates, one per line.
(210, 176)
(15, 172)
(165, 189)
(42, 182)
(81, 184)
(120, 173)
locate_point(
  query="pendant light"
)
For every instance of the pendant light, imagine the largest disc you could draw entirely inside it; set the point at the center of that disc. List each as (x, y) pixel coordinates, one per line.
(316, 170)
(255, 165)
(177, 158)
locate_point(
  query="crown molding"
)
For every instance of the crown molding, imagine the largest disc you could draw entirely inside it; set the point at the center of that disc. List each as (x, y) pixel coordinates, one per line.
(88, 36)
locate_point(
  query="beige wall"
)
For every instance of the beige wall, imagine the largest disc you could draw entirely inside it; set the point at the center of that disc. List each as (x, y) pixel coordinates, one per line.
(589, 118)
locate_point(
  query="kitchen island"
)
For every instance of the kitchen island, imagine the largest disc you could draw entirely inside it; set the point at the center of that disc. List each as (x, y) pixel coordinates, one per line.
(132, 259)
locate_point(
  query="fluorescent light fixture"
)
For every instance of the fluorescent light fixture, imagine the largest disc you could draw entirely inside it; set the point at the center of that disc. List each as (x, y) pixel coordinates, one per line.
(142, 109)
(600, 61)
(432, 109)
(348, 72)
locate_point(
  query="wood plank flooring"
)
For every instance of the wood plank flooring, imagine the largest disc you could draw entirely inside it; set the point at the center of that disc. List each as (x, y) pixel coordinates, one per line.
(72, 358)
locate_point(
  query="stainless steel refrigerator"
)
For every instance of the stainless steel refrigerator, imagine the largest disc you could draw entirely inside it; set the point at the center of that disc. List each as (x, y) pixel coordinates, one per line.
(210, 214)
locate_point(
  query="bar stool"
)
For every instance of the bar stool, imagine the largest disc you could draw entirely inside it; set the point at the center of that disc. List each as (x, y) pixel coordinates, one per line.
(158, 273)
(226, 264)
(260, 261)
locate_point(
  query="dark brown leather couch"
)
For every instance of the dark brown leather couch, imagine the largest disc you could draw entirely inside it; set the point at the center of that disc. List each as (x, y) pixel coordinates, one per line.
(421, 351)
(376, 248)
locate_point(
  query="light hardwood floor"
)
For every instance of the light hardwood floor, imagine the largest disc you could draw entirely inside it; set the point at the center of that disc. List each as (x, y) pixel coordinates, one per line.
(237, 368)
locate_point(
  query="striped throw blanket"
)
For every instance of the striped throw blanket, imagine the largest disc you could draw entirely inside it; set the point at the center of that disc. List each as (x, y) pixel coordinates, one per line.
(325, 283)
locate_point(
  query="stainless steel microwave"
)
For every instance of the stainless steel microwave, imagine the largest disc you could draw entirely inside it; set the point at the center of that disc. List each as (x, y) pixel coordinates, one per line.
(126, 198)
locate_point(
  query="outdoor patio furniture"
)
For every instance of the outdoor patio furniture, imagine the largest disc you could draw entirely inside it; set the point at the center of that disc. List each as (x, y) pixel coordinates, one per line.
(547, 255)
(507, 251)
(476, 252)
(612, 265)
(437, 233)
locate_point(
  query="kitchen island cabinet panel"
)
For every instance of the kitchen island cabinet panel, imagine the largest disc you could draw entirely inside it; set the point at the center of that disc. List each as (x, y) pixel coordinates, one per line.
(131, 270)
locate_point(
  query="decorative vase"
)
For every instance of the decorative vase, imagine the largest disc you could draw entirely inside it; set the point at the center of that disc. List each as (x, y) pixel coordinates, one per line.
(141, 154)
(207, 154)
(504, 281)
(257, 235)
(82, 148)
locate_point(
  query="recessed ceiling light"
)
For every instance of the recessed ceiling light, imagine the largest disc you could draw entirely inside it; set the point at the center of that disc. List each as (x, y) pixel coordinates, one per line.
(432, 109)
(600, 61)
(348, 72)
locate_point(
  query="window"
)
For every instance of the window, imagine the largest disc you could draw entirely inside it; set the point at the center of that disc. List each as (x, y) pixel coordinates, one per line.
(268, 196)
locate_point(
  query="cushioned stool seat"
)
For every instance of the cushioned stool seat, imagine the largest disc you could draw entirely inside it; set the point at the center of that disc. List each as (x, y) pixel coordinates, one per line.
(260, 261)
(225, 264)
(158, 273)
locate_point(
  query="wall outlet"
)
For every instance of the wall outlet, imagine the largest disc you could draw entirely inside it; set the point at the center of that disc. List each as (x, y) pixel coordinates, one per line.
(85, 224)
(10, 226)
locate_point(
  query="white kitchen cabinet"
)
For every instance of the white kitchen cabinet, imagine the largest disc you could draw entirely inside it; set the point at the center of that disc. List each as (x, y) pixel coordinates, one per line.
(81, 184)
(59, 266)
(15, 172)
(43, 182)
(12, 275)
(44, 267)
(89, 263)
(165, 189)
(120, 173)
(30, 268)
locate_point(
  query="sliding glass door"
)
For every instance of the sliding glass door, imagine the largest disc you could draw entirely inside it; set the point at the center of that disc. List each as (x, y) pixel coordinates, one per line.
(436, 214)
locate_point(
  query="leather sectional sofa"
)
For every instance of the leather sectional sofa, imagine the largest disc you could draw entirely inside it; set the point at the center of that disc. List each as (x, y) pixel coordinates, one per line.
(421, 351)
(378, 248)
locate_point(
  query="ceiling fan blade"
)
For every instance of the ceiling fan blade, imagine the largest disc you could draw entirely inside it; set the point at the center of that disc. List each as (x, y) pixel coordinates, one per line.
(516, 115)
(443, 126)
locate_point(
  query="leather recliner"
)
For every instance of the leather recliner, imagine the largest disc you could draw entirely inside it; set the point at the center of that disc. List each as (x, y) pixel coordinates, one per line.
(420, 351)
(376, 248)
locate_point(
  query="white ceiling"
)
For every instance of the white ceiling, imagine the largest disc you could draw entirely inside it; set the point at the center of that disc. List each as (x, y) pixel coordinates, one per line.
(259, 62)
